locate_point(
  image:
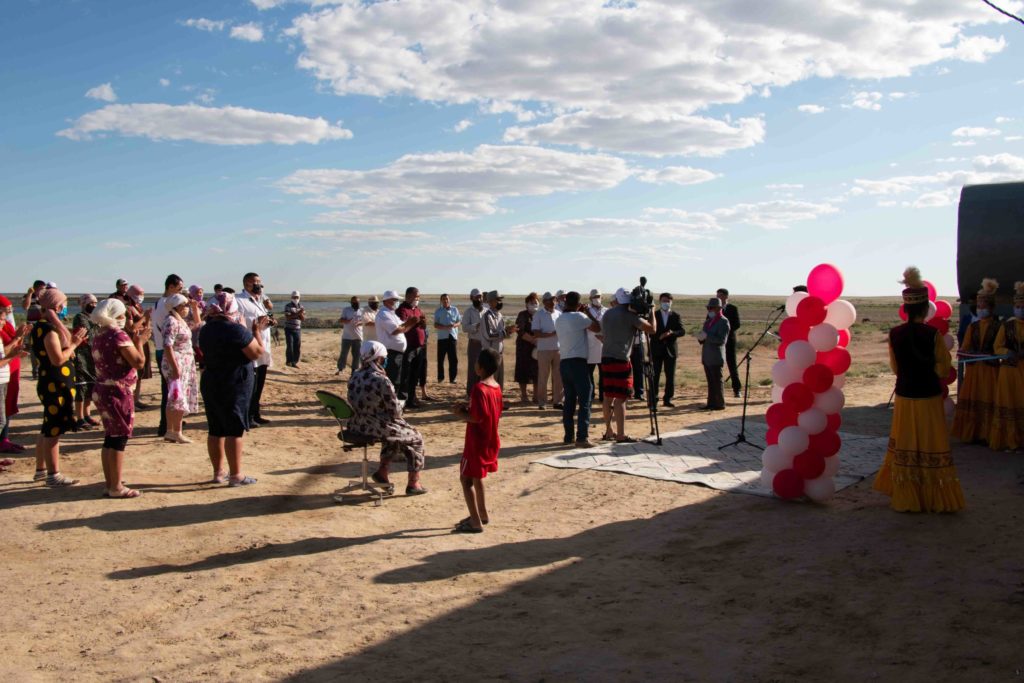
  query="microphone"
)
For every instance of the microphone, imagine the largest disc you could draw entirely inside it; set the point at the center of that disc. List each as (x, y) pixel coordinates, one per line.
(781, 308)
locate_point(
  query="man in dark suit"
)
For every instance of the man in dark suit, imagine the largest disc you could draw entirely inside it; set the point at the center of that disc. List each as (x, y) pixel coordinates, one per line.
(668, 327)
(732, 314)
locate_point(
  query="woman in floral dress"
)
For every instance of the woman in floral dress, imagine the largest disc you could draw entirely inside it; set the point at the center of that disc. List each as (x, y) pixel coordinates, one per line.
(179, 367)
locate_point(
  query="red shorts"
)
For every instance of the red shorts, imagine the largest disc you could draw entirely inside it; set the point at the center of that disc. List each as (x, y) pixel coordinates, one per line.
(616, 378)
(475, 467)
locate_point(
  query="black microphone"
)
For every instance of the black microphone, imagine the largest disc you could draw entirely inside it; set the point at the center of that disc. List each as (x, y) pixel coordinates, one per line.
(781, 308)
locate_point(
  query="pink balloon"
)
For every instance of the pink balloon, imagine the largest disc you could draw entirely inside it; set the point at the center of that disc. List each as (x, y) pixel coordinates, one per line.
(943, 309)
(825, 282)
(933, 293)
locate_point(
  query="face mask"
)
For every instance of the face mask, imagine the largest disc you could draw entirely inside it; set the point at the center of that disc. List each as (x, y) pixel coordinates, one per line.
(595, 302)
(355, 305)
(63, 313)
(392, 305)
(90, 308)
(984, 313)
(416, 303)
(373, 305)
(1018, 313)
(477, 304)
(295, 299)
(138, 299)
(711, 314)
(498, 306)
(532, 308)
(256, 289)
(384, 364)
(666, 306)
(119, 323)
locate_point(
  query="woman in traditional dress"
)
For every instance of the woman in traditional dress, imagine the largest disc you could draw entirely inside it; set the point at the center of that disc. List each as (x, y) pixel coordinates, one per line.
(918, 472)
(117, 356)
(526, 343)
(85, 370)
(378, 414)
(1007, 431)
(178, 364)
(8, 335)
(975, 404)
(54, 346)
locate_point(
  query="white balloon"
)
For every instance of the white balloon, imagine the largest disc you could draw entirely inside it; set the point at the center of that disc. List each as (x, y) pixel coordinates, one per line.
(800, 355)
(768, 479)
(932, 310)
(774, 459)
(776, 393)
(839, 381)
(784, 374)
(821, 489)
(841, 314)
(830, 401)
(793, 441)
(793, 301)
(823, 337)
(831, 466)
(950, 341)
(812, 421)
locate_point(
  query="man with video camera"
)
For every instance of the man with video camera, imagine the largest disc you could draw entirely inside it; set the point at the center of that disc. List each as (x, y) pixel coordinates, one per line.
(619, 326)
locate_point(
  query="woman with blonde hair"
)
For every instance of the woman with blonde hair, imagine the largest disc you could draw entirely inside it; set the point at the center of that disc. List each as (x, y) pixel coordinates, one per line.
(54, 346)
(975, 403)
(178, 365)
(1007, 431)
(118, 355)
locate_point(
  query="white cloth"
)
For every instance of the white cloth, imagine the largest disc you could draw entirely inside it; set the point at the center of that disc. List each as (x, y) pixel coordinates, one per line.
(471, 323)
(251, 309)
(593, 343)
(350, 329)
(159, 319)
(5, 371)
(545, 322)
(369, 327)
(387, 323)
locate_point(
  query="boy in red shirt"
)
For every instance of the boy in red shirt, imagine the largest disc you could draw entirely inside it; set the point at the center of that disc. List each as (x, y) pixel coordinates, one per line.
(480, 454)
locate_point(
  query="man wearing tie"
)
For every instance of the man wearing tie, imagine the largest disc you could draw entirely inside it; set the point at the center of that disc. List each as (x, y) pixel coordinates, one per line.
(668, 328)
(732, 314)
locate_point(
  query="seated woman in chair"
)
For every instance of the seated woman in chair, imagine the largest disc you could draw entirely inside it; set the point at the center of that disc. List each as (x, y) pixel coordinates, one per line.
(378, 414)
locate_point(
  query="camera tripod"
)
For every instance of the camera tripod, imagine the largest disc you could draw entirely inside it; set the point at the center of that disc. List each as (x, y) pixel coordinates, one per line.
(648, 380)
(742, 436)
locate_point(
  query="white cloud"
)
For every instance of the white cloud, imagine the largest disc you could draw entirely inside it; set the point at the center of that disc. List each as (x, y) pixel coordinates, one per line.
(964, 143)
(1013, 138)
(675, 175)
(376, 235)
(776, 214)
(606, 68)
(164, 82)
(451, 185)
(462, 125)
(812, 109)
(104, 92)
(218, 126)
(872, 101)
(250, 32)
(1004, 119)
(784, 186)
(267, 4)
(975, 132)
(205, 24)
(943, 188)
(1000, 163)
(117, 245)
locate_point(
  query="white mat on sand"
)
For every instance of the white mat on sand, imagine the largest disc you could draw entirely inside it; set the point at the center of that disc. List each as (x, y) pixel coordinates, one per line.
(691, 456)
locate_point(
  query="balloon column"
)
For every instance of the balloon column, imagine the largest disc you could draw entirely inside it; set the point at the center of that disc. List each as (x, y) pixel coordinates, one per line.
(939, 313)
(803, 421)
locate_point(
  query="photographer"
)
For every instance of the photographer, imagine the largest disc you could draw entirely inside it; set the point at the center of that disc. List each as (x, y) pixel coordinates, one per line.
(250, 305)
(618, 326)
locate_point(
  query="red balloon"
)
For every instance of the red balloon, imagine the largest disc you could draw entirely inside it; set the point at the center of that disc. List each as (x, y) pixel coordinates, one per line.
(826, 444)
(818, 378)
(837, 360)
(811, 311)
(798, 397)
(943, 309)
(825, 282)
(788, 484)
(779, 416)
(834, 422)
(951, 377)
(933, 293)
(945, 391)
(844, 338)
(809, 465)
(771, 437)
(903, 314)
(940, 324)
(782, 349)
(792, 329)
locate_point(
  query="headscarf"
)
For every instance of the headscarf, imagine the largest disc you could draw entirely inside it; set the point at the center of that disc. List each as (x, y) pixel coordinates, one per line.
(85, 300)
(51, 301)
(193, 292)
(223, 304)
(4, 301)
(371, 351)
(107, 312)
(134, 291)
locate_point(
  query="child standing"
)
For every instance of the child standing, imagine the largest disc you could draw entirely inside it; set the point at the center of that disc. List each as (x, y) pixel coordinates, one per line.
(480, 454)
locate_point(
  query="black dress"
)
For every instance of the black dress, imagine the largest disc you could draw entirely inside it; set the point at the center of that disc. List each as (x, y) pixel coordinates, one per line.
(227, 381)
(56, 385)
(526, 364)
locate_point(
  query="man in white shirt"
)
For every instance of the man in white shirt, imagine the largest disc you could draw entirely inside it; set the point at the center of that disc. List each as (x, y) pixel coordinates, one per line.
(391, 333)
(352, 321)
(543, 328)
(172, 285)
(250, 305)
(572, 327)
(471, 319)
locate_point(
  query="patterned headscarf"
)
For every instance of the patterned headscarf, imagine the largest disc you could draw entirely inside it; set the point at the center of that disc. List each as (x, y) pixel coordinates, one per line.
(193, 292)
(51, 301)
(372, 350)
(85, 300)
(224, 304)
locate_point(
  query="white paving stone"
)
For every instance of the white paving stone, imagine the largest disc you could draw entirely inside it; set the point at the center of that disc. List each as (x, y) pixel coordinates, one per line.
(691, 456)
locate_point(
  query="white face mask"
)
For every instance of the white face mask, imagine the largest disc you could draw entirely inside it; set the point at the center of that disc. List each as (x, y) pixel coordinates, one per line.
(391, 305)
(596, 302)
(532, 308)
(139, 298)
(119, 323)
(415, 303)
(295, 299)
(983, 313)
(711, 314)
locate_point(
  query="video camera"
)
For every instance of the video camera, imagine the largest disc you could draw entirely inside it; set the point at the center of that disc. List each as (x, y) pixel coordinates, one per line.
(641, 300)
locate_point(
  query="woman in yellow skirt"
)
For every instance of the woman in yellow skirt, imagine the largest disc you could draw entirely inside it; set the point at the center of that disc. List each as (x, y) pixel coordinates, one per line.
(976, 401)
(918, 472)
(1008, 422)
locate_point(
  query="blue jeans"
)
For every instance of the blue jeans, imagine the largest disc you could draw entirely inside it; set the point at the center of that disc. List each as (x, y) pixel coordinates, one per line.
(292, 345)
(578, 389)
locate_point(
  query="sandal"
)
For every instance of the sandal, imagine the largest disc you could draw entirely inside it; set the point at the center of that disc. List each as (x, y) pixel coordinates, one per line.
(466, 528)
(220, 478)
(244, 481)
(468, 521)
(57, 480)
(93, 421)
(123, 493)
(626, 439)
(40, 475)
(6, 462)
(608, 436)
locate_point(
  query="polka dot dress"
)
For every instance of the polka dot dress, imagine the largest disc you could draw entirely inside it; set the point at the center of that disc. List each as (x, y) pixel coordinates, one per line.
(56, 387)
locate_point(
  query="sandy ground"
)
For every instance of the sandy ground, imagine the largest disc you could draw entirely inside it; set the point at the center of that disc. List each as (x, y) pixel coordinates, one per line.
(580, 575)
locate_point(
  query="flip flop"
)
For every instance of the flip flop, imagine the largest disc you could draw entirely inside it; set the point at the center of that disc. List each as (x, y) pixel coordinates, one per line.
(219, 478)
(467, 521)
(626, 439)
(244, 481)
(123, 493)
(466, 528)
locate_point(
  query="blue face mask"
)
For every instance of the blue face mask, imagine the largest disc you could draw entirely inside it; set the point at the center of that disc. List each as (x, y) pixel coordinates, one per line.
(1018, 313)
(984, 313)
(666, 306)
(384, 364)
(63, 312)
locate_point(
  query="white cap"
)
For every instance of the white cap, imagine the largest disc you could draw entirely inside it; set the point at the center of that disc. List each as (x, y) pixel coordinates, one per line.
(390, 294)
(622, 296)
(595, 292)
(295, 292)
(475, 292)
(547, 296)
(560, 292)
(52, 285)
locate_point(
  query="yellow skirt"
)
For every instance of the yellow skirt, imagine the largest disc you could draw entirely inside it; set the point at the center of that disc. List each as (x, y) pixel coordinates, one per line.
(1007, 432)
(976, 403)
(918, 472)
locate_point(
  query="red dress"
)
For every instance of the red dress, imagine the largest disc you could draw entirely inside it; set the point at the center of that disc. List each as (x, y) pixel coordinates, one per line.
(480, 454)
(7, 334)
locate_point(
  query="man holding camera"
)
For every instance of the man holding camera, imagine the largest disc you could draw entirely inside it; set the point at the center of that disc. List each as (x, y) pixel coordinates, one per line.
(250, 305)
(619, 326)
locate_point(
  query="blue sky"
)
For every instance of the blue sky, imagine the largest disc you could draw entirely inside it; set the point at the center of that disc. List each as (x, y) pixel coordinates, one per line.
(339, 146)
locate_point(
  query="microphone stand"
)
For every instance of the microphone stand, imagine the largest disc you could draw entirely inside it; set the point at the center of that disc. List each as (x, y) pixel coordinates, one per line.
(742, 436)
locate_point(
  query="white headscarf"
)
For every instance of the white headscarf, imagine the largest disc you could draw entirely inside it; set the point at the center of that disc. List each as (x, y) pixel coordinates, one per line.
(372, 350)
(107, 312)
